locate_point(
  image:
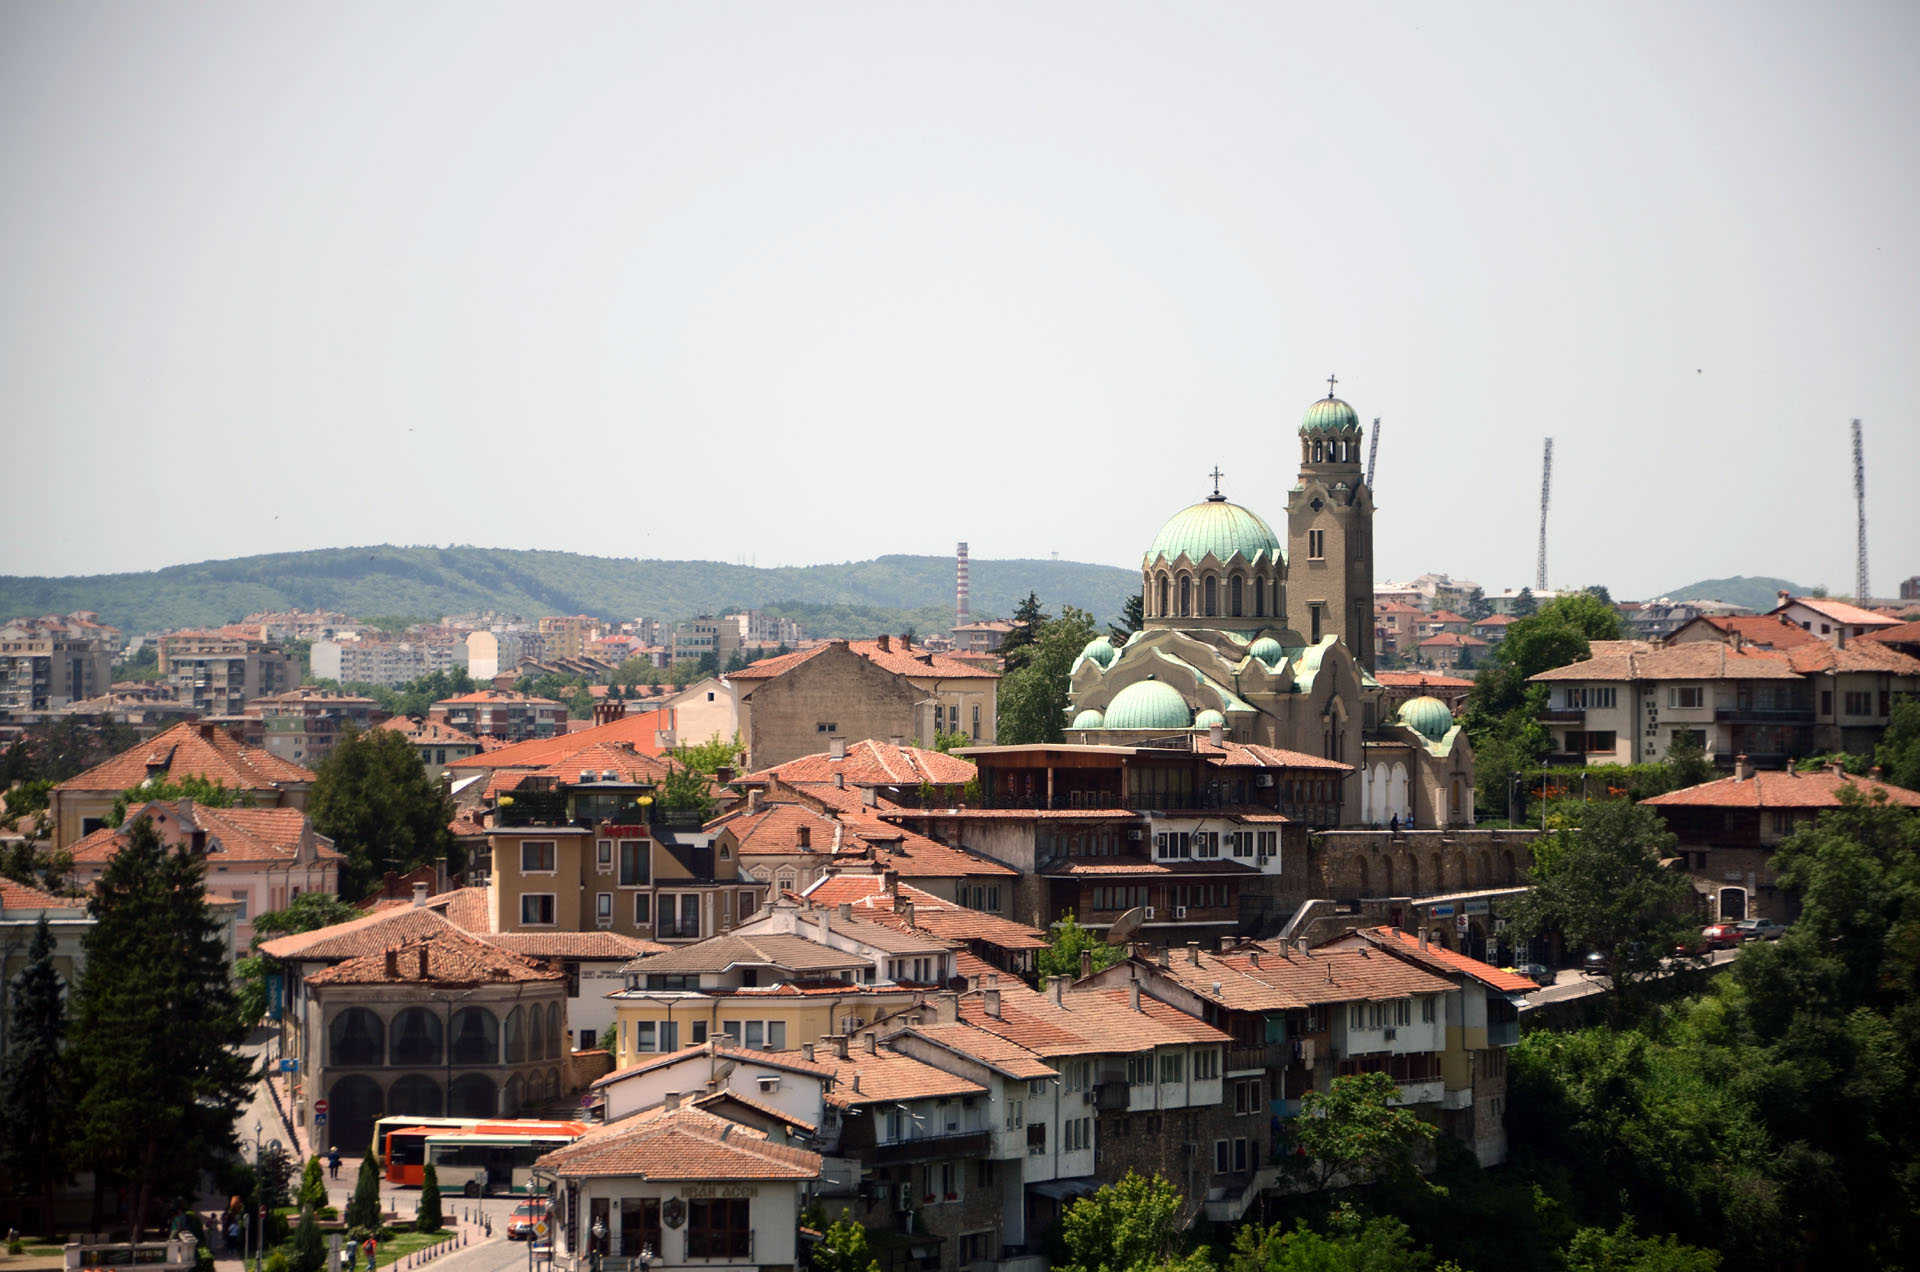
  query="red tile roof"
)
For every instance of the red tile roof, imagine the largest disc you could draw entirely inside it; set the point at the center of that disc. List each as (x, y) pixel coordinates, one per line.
(368, 934)
(686, 1143)
(1904, 634)
(1441, 960)
(719, 1049)
(1768, 631)
(448, 957)
(874, 763)
(1839, 612)
(990, 1049)
(1292, 980)
(1088, 1021)
(601, 946)
(1451, 639)
(18, 896)
(1245, 755)
(1691, 660)
(253, 836)
(607, 757)
(1420, 680)
(932, 915)
(1870, 656)
(428, 731)
(634, 729)
(1089, 867)
(192, 749)
(777, 950)
(902, 662)
(1782, 790)
(889, 1075)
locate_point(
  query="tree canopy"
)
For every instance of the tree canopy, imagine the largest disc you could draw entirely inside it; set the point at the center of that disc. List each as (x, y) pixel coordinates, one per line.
(1351, 1132)
(1129, 1226)
(1062, 958)
(373, 798)
(1033, 698)
(34, 1103)
(193, 786)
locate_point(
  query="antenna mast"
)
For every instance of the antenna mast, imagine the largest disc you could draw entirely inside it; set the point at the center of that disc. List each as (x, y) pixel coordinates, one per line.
(1861, 587)
(1546, 488)
(1373, 451)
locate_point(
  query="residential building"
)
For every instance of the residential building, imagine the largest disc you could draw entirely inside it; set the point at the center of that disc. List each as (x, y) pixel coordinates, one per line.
(880, 896)
(1451, 651)
(1401, 687)
(80, 804)
(897, 774)
(437, 744)
(794, 704)
(1834, 621)
(1493, 628)
(567, 636)
(258, 858)
(1728, 830)
(1396, 626)
(702, 711)
(304, 724)
(387, 663)
(497, 651)
(498, 713)
(982, 637)
(643, 732)
(706, 637)
(221, 672)
(45, 664)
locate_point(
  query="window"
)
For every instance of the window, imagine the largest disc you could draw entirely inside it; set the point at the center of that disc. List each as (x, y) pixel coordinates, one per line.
(1591, 741)
(1246, 1096)
(1426, 1010)
(1859, 702)
(633, 863)
(1316, 545)
(1206, 1063)
(1016, 1114)
(603, 907)
(719, 1228)
(536, 909)
(537, 856)
(643, 910)
(1220, 1157)
(1037, 1087)
(1206, 843)
(604, 851)
(1140, 1069)
(241, 898)
(826, 728)
(1240, 1154)
(1172, 1065)
(1686, 697)
(1036, 1139)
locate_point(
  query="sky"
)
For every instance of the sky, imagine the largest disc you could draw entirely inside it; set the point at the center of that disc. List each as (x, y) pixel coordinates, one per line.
(801, 282)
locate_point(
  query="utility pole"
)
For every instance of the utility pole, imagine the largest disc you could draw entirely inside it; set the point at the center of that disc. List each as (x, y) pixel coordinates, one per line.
(1862, 586)
(1546, 488)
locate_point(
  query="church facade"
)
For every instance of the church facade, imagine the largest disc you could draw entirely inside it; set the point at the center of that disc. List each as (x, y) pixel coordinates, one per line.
(1272, 645)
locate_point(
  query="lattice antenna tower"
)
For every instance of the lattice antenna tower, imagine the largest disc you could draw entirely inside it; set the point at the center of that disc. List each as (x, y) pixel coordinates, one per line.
(1373, 451)
(1861, 588)
(1546, 489)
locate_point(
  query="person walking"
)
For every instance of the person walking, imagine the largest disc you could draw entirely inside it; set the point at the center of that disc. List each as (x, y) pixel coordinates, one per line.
(333, 1162)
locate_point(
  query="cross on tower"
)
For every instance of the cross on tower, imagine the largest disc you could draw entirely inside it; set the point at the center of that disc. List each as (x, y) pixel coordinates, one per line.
(1331, 381)
(1216, 475)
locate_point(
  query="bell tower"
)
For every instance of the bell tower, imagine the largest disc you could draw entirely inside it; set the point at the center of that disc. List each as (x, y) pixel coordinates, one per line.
(1330, 531)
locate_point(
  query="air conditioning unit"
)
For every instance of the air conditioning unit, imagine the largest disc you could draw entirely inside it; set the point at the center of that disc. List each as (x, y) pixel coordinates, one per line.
(1135, 834)
(903, 1197)
(1149, 910)
(1391, 1035)
(769, 1082)
(1263, 779)
(1179, 911)
(1086, 1097)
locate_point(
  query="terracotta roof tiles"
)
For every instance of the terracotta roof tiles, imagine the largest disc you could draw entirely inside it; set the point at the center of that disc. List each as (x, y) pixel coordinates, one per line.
(990, 1049)
(900, 661)
(192, 749)
(684, 1143)
(448, 957)
(874, 763)
(1782, 790)
(636, 729)
(889, 1075)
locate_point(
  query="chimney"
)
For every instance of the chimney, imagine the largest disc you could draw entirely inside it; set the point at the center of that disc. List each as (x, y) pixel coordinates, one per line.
(1133, 995)
(990, 1000)
(856, 1076)
(836, 748)
(671, 1100)
(839, 780)
(1253, 957)
(423, 960)
(840, 1050)
(960, 615)
(869, 797)
(753, 801)
(904, 908)
(1086, 964)
(420, 894)
(890, 881)
(872, 1040)
(885, 642)
(723, 774)
(946, 1006)
(806, 1051)
(1053, 988)
(846, 909)
(1217, 733)
(1742, 768)
(906, 640)
(898, 739)
(1193, 953)
(1423, 936)
(1164, 960)
(393, 964)
(993, 980)
(1783, 595)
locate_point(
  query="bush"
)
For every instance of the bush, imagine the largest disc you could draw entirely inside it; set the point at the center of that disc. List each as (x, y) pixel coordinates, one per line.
(313, 1184)
(309, 1249)
(429, 1218)
(276, 1262)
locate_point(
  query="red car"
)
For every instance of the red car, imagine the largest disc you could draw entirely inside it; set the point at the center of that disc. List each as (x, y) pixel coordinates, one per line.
(525, 1216)
(1714, 936)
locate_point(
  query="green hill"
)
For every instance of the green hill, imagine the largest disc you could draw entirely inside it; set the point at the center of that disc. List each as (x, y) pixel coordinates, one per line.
(857, 598)
(1759, 593)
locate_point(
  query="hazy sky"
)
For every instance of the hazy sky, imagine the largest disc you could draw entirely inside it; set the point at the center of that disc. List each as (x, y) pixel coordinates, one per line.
(785, 283)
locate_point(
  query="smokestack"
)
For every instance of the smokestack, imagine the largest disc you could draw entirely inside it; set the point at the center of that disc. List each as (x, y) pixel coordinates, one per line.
(960, 592)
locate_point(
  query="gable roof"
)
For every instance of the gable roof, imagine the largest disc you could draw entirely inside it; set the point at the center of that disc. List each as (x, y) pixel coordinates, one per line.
(870, 762)
(1862, 655)
(1229, 754)
(448, 957)
(234, 836)
(369, 934)
(999, 1054)
(868, 895)
(1691, 660)
(893, 658)
(1786, 789)
(1088, 1020)
(1838, 611)
(885, 1074)
(1767, 631)
(18, 896)
(1279, 980)
(1443, 961)
(1420, 680)
(192, 749)
(778, 950)
(717, 1048)
(636, 730)
(684, 1143)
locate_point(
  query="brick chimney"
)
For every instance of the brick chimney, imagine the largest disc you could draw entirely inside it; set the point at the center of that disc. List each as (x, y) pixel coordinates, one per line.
(393, 964)
(885, 643)
(990, 1001)
(1742, 768)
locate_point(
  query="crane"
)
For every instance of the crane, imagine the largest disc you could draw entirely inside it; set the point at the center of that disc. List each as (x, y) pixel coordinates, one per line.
(1546, 488)
(1861, 587)
(1373, 451)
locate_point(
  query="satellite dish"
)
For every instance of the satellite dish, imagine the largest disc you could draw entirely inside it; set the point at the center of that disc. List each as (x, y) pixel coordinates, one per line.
(1126, 927)
(721, 1074)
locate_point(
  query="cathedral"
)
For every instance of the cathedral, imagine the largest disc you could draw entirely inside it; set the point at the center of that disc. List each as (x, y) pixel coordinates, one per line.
(1273, 645)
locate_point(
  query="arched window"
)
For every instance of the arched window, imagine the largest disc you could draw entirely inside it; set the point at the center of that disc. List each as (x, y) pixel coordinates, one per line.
(356, 1101)
(476, 1037)
(471, 1095)
(355, 1038)
(510, 1098)
(416, 1041)
(415, 1095)
(556, 1041)
(1186, 595)
(1162, 611)
(1212, 596)
(516, 1036)
(1259, 598)
(1316, 452)
(1234, 601)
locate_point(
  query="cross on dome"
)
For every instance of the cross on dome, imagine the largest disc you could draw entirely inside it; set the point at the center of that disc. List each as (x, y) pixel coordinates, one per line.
(1216, 475)
(1331, 381)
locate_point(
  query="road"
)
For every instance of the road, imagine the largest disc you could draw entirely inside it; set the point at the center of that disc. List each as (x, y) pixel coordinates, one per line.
(1571, 982)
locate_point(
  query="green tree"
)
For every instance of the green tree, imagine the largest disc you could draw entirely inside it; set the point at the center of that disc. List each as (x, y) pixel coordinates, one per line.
(1899, 751)
(1687, 759)
(1351, 1133)
(193, 786)
(1032, 701)
(430, 1218)
(1525, 604)
(1353, 1243)
(308, 912)
(1475, 606)
(363, 1210)
(711, 756)
(1133, 617)
(309, 1248)
(1017, 646)
(1601, 885)
(688, 790)
(1622, 1250)
(1129, 1226)
(373, 798)
(844, 1248)
(156, 1028)
(313, 1184)
(1062, 958)
(34, 1100)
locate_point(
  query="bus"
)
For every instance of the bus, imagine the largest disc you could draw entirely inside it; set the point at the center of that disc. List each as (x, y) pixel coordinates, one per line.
(402, 1142)
(494, 1158)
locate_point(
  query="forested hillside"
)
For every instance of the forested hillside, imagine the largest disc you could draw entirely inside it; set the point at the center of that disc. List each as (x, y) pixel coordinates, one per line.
(1759, 593)
(863, 597)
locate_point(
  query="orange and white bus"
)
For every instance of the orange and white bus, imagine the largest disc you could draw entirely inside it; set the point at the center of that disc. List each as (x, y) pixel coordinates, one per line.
(493, 1158)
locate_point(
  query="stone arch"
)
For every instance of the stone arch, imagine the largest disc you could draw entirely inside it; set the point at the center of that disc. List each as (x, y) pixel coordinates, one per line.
(415, 1095)
(1186, 595)
(1512, 875)
(1259, 597)
(1210, 594)
(1397, 795)
(1413, 875)
(476, 1037)
(1162, 611)
(1486, 869)
(553, 1084)
(1318, 451)
(471, 1095)
(355, 1040)
(516, 1036)
(1236, 599)
(510, 1097)
(1439, 873)
(556, 1044)
(414, 1041)
(355, 1103)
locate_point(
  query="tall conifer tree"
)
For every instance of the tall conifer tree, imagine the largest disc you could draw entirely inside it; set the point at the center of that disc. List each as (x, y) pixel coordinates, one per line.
(32, 1092)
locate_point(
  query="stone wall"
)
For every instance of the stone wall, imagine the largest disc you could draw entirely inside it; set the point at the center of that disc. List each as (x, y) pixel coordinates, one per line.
(837, 688)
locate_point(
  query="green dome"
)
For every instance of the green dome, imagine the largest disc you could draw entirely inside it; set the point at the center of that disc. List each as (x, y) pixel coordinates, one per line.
(1089, 719)
(1214, 525)
(1330, 415)
(1101, 650)
(1208, 718)
(1428, 717)
(1148, 704)
(1267, 650)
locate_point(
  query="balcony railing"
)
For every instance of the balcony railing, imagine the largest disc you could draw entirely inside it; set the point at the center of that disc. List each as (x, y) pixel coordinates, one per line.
(1764, 715)
(676, 931)
(1562, 715)
(1270, 1055)
(933, 1148)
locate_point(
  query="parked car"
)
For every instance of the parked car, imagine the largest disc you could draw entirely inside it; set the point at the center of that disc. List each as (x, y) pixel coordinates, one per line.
(1760, 929)
(525, 1215)
(1596, 963)
(1714, 936)
(1538, 973)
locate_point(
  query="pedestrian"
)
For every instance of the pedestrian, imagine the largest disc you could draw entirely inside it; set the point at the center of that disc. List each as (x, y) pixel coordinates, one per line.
(1394, 825)
(333, 1162)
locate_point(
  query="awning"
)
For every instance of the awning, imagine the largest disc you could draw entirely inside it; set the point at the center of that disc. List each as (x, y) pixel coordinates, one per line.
(1065, 1189)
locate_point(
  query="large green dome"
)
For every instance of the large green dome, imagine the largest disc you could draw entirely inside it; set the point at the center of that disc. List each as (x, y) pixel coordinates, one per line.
(1428, 717)
(1148, 704)
(1215, 526)
(1330, 415)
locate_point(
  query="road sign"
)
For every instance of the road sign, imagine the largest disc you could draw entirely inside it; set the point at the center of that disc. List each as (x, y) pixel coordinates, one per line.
(289, 1065)
(319, 1119)
(540, 1228)
(1460, 923)
(320, 1107)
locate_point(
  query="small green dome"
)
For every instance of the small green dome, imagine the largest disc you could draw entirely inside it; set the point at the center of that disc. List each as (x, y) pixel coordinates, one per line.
(1267, 650)
(1208, 718)
(1330, 415)
(1215, 526)
(1148, 704)
(1089, 719)
(1101, 650)
(1428, 717)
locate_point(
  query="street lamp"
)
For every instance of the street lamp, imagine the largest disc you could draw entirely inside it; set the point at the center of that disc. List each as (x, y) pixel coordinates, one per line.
(599, 1235)
(259, 1201)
